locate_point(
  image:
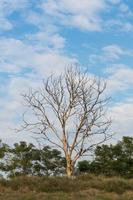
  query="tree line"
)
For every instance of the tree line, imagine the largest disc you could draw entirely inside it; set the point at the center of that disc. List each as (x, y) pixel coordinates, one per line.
(111, 160)
(26, 159)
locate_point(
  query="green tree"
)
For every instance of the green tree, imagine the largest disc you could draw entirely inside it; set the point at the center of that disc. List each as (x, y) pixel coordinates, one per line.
(3, 151)
(49, 162)
(26, 159)
(83, 166)
(123, 157)
(114, 159)
(19, 161)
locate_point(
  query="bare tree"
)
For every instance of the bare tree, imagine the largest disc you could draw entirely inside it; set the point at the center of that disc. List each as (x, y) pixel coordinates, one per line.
(69, 111)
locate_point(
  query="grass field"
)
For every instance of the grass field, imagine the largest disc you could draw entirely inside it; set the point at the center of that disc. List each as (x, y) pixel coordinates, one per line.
(85, 187)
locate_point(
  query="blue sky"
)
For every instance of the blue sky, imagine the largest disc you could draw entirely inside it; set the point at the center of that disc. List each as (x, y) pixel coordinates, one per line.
(38, 37)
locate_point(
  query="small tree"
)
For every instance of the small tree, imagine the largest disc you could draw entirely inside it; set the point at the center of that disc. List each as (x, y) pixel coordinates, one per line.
(19, 159)
(69, 112)
(3, 151)
(103, 162)
(112, 160)
(83, 166)
(48, 162)
(25, 159)
(123, 156)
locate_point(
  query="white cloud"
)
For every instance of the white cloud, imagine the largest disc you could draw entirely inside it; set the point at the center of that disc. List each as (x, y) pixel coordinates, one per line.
(124, 7)
(114, 1)
(16, 55)
(5, 24)
(11, 107)
(81, 14)
(122, 113)
(120, 79)
(84, 15)
(74, 6)
(7, 7)
(16, 58)
(12, 54)
(114, 51)
(111, 52)
(44, 52)
(48, 38)
(11, 5)
(120, 82)
(119, 25)
(27, 61)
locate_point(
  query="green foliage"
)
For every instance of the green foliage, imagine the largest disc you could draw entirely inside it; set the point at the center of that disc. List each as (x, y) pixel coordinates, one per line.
(83, 166)
(25, 159)
(19, 159)
(3, 149)
(49, 162)
(112, 160)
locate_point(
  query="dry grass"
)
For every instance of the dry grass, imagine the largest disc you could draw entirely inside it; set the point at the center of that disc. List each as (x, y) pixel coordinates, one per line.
(86, 187)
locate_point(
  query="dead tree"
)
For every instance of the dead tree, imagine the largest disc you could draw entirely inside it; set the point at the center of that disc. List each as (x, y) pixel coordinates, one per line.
(69, 111)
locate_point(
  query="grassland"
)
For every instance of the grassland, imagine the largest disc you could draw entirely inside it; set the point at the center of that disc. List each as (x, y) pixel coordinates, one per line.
(85, 187)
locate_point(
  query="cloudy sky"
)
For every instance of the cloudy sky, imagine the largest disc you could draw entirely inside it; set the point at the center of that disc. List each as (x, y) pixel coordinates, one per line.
(38, 37)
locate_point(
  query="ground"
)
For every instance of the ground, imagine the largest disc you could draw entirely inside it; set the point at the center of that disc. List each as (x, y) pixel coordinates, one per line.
(85, 187)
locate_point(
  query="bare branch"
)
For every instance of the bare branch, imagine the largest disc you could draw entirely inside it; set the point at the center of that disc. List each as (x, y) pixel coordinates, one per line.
(68, 111)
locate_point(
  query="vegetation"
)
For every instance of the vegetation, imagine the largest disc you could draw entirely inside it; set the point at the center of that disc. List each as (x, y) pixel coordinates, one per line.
(61, 188)
(25, 159)
(32, 173)
(111, 160)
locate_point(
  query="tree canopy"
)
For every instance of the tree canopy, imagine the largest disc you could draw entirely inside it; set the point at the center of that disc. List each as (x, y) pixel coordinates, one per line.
(111, 159)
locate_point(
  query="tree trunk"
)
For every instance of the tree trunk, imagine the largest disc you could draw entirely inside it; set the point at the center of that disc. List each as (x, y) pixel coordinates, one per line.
(70, 167)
